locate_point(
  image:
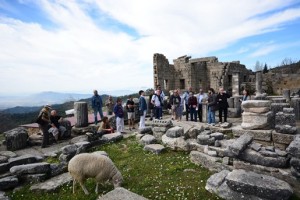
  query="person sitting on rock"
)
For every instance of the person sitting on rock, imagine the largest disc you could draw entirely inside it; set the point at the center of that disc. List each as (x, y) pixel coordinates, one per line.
(57, 130)
(104, 127)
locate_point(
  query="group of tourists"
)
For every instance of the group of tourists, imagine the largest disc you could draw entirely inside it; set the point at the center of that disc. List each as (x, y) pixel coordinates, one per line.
(50, 122)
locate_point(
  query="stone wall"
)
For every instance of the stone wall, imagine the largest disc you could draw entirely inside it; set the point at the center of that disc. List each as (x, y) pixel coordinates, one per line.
(198, 73)
(278, 82)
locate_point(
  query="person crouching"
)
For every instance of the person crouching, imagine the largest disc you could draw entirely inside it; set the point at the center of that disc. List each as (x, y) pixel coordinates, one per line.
(104, 127)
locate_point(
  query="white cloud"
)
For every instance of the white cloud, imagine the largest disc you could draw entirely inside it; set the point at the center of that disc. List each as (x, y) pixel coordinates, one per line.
(77, 53)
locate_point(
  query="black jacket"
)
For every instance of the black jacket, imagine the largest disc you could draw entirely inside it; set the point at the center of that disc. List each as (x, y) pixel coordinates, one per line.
(222, 100)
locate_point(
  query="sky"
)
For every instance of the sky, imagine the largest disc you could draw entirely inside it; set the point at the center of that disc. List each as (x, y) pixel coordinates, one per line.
(82, 45)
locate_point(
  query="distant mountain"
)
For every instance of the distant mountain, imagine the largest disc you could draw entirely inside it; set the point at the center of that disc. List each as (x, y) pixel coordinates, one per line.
(50, 97)
(21, 109)
(39, 99)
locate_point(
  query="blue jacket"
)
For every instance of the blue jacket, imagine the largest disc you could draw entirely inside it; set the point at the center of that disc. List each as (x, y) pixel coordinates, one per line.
(97, 101)
(118, 110)
(142, 104)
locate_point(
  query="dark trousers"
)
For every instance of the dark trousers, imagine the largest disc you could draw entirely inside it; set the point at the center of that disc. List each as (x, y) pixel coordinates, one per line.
(225, 111)
(44, 129)
(193, 114)
(200, 112)
(158, 112)
(187, 111)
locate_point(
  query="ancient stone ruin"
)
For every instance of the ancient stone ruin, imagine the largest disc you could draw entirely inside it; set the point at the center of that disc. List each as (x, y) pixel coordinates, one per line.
(208, 72)
(255, 158)
(200, 73)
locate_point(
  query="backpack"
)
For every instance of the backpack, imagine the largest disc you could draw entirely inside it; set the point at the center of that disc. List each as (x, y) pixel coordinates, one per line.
(160, 100)
(39, 120)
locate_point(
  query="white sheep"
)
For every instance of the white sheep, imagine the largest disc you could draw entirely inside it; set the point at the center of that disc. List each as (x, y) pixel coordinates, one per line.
(94, 165)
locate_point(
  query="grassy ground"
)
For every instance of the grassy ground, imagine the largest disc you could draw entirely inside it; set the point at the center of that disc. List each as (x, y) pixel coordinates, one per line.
(169, 175)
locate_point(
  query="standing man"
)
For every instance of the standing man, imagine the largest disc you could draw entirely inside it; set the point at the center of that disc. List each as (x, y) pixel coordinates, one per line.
(44, 122)
(130, 112)
(192, 106)
(142, 109)
(186, 101)
(212, 106)
(157, 101)
(200, 99)
(97, 105)
(223, 104)
(150, 105)
(119, 113)
(110, 105)
(162, 94)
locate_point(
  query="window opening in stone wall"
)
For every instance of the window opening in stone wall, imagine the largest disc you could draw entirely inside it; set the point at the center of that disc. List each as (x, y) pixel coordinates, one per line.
(230, 80)
(155, 69)
(182, 84)
(166, 84)
(245, 78)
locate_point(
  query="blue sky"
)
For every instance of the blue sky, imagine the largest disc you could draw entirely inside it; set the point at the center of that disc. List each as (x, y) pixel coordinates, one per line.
(81, 45)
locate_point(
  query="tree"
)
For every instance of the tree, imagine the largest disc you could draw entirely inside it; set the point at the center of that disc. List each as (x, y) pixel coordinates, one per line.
(258, 66)
(287, 61)
(265, 70)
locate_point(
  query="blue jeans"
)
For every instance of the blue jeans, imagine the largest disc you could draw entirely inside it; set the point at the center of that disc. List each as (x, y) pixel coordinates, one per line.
(158, 112)
(193, 114)
(96, 110)
(211, 116)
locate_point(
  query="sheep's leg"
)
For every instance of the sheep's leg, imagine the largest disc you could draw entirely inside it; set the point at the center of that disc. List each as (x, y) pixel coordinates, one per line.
(74, 182)
(84, 188)
(96, 190)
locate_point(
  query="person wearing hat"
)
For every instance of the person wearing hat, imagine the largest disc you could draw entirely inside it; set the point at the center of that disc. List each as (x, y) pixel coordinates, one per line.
(44, 122)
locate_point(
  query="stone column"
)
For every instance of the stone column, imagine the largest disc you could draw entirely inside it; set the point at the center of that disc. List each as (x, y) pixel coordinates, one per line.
(81, 114)
(231, 102)
(237, 105)
(295, 103)
(258, 83)
(204, 112)
(287, 95)
(235, 84)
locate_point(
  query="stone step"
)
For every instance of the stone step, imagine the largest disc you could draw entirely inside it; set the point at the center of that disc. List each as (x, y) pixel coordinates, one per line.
(52, 184)
(259, 185)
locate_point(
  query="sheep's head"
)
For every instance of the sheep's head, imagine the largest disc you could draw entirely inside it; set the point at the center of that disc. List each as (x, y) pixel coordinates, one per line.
(117, 180)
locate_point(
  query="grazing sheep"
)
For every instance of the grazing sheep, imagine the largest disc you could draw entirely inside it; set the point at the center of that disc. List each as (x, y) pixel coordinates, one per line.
(93, 165)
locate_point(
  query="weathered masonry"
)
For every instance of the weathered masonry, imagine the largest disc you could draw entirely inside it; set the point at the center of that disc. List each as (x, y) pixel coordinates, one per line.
(200, 73)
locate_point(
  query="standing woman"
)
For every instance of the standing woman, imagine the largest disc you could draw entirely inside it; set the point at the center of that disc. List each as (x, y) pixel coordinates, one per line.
(176, 100)
(246, 95)
(212, 106)
(142, 109)
(119, 113)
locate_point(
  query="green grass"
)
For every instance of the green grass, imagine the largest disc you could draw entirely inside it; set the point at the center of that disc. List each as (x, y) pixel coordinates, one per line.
(161, 176)
(169, 175)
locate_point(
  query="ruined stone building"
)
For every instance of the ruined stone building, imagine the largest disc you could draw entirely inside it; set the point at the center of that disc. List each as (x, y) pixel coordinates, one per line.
(200, 73)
